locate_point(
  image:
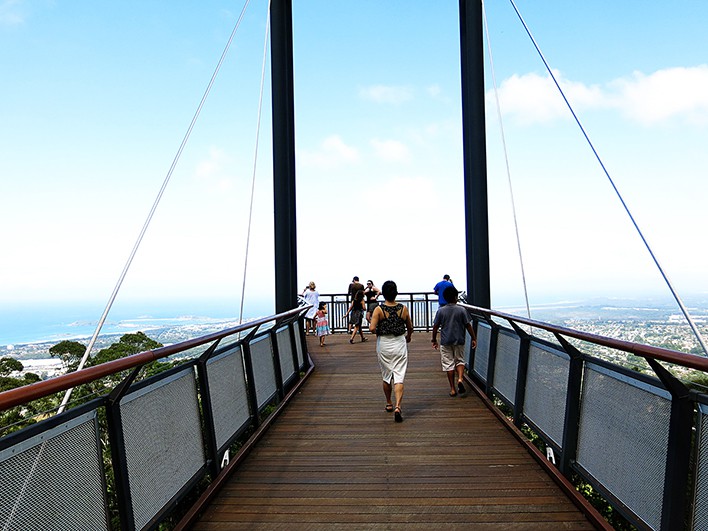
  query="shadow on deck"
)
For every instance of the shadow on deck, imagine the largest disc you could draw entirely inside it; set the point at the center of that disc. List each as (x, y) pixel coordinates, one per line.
(335, 459)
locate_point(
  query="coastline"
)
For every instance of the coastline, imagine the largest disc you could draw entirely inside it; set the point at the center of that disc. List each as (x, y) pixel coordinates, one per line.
(51, 322)
(46, 326)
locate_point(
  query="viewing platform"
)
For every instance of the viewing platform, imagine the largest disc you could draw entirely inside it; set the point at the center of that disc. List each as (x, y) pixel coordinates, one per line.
(336, 459)
(258, 427)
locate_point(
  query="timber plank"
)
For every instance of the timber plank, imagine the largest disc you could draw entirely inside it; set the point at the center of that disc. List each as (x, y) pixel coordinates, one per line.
(334, 459)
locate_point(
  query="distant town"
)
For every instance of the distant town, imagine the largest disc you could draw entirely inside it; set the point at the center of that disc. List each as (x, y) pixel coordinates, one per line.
(661, 328)
(36, 358)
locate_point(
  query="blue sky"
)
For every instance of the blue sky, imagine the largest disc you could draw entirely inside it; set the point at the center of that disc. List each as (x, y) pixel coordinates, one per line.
(95, 99)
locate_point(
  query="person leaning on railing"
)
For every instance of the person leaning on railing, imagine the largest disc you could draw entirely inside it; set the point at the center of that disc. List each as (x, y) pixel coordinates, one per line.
(311, 296)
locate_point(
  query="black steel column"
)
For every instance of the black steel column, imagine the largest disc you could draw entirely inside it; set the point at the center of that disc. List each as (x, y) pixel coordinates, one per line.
(474, 153)
(283, 155)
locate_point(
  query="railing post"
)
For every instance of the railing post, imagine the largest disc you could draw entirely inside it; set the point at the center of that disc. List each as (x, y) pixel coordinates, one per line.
(250, 379)
(294, 338)
(428, 320)
(473, 351)
(571, 420)
(300, 327)
(678, 459)
(521, 374)
(117, 442)
(210, 427)
(276, 362)
(492, 356)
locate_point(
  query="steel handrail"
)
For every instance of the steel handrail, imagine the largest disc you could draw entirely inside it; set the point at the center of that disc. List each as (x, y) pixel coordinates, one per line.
(339, 302)
(14, 397)
(27, 393)
(647, 351)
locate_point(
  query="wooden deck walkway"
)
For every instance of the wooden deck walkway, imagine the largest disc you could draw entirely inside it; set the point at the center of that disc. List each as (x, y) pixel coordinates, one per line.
(335, 459)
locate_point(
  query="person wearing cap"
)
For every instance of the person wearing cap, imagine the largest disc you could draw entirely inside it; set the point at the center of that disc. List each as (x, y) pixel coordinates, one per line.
(452, 321)
(440, 287)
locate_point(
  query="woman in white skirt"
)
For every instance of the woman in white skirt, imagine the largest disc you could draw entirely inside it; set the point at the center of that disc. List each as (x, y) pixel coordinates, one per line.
(392, 324)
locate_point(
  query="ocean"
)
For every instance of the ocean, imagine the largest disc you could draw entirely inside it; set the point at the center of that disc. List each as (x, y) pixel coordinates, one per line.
(31, 323)
(51, 322)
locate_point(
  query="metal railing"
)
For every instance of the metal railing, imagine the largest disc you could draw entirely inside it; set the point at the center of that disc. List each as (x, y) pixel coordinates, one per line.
(640, 440)
(153, 440)
(421, 306)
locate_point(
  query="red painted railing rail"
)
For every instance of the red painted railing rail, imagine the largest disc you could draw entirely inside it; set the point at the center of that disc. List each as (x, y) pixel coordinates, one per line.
(647, 351)
(22, 395)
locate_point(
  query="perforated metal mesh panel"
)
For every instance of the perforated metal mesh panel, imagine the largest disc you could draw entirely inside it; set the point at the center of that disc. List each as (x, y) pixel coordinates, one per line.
(481, 355)
(163, 441)
(506, 364)
(700, 495)
(298, 344)
(285, 353)
(623, 439)
(229, 396)
(263, 369)
(547, 389)
(54, 481)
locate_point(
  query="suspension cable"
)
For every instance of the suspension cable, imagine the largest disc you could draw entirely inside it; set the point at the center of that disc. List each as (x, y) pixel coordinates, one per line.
(255, 162)
(506, 160)
(118, 285)
(612, 183)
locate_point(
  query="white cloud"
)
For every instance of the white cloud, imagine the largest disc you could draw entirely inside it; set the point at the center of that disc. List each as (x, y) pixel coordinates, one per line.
(332, 153)
(674, 93)
(680, 93)
(391, 150)
(532, 98)
(384, 94)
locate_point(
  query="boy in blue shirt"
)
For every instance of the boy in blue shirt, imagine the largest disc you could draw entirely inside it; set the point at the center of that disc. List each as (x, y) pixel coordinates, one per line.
(452, 321)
